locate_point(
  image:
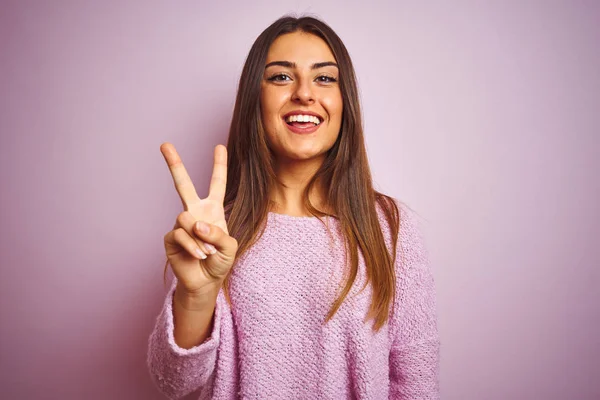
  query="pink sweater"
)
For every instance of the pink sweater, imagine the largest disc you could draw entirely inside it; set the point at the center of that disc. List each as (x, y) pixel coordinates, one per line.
(271, 344)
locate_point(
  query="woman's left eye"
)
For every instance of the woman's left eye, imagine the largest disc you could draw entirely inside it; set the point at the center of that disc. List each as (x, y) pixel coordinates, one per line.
(326, 79)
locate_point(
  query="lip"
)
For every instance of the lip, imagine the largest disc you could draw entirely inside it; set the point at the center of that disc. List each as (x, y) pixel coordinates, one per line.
(302, 130)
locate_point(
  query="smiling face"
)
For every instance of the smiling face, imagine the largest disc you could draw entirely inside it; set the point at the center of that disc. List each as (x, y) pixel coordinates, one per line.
(300, 87)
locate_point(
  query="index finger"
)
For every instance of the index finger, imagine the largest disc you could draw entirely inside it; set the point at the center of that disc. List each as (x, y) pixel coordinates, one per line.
(218, 182)
(181, 179)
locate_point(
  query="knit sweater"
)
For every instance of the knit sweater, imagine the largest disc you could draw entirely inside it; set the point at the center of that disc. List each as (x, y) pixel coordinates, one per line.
(272, 343)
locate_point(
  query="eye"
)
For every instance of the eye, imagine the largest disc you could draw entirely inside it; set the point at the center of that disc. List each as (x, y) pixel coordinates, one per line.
(279, 78)
(326, 79)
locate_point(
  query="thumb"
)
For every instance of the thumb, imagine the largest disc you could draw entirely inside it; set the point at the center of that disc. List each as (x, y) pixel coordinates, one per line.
(214, 235)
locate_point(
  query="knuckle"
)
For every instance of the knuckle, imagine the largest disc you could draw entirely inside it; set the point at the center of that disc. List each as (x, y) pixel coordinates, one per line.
(179, 235)
(182, 218)
(218, 179)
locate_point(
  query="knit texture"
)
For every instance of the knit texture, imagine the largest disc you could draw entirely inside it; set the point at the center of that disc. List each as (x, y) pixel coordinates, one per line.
(272, 342)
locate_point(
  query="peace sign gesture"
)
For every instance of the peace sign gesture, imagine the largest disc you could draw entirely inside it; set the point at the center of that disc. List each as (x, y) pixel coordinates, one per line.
(200, 259)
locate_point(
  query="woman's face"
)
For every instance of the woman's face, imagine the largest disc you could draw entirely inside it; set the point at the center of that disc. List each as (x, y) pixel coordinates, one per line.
(300, 88)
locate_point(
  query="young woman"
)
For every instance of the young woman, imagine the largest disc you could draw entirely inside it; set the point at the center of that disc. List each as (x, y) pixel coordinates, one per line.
(294, 278)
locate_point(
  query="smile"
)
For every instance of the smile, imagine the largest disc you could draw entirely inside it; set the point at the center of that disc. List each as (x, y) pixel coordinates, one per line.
(302, 123)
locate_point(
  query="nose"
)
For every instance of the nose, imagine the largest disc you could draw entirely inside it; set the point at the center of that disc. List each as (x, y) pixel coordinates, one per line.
(303, 92)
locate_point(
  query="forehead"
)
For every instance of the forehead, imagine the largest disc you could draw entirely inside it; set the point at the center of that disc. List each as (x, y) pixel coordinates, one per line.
(301, 48)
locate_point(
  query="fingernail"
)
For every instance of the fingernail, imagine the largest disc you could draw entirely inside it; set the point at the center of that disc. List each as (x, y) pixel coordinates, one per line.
(200, 254)
(202, 227)
(210, 248)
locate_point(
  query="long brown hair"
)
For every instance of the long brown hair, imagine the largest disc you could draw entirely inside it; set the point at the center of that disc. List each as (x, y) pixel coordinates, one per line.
(352, 200)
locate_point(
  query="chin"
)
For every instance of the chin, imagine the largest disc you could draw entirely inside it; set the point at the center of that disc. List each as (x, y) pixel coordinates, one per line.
(303, 155)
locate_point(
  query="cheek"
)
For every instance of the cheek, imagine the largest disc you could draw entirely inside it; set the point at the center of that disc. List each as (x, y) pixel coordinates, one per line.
(334, 107)
(264, 105)
(270, 109)
(271, 102)
(335, 110)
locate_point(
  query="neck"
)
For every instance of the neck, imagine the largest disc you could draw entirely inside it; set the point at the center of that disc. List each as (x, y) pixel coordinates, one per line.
(293, 177)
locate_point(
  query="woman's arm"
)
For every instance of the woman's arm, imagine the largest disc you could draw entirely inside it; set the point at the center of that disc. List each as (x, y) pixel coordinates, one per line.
(415, 352)
(177, 370)
(193, 318)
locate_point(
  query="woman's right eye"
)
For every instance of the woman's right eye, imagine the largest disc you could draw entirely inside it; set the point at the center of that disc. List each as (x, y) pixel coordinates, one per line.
(279, 78)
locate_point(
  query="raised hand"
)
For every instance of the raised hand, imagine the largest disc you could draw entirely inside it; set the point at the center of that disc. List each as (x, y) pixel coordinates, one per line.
(199, 259)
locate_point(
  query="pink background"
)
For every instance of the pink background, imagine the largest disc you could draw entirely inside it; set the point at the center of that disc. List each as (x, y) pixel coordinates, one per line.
(482, 117)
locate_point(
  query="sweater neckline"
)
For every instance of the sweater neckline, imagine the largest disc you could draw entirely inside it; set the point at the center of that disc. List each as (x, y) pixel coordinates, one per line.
(291, 218)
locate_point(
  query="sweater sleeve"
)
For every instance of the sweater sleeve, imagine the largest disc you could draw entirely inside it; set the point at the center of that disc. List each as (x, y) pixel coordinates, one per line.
(415, 351)
(177, 371)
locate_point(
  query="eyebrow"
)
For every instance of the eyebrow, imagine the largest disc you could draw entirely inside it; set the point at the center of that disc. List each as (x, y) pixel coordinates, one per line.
(289, 64)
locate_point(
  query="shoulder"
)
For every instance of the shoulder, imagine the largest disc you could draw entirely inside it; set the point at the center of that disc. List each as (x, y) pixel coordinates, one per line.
(393, 213)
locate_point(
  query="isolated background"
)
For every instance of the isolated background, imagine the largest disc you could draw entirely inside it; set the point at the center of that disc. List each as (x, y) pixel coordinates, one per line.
(482, 116)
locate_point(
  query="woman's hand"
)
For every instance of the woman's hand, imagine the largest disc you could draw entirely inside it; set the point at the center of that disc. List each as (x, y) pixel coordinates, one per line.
(200, 260)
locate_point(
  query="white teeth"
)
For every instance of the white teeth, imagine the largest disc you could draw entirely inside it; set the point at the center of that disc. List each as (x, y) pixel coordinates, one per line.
(303, 118)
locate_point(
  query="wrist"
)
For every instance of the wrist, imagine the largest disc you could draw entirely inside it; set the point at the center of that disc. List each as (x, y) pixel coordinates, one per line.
(196, 301)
